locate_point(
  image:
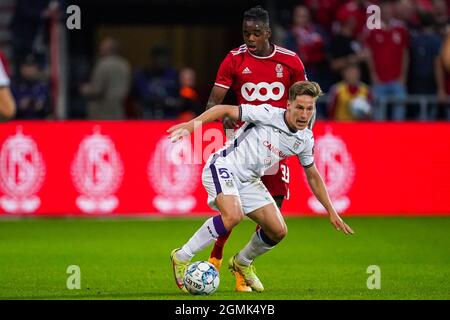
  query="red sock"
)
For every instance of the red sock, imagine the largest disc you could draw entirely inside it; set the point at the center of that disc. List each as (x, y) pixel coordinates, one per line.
(217, 251)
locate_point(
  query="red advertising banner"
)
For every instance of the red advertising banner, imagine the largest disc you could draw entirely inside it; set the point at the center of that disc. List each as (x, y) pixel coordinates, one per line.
(130, 167)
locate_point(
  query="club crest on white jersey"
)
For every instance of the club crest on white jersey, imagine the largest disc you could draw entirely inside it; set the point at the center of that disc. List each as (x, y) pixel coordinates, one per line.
(262, 91)
(22, 172)
(337, 168)
(97, 172)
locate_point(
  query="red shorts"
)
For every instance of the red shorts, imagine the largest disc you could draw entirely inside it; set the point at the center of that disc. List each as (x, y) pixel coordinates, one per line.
(278, 184)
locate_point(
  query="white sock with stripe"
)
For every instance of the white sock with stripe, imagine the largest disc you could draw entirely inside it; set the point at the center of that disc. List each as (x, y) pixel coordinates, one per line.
(256, 247)
(205, 235)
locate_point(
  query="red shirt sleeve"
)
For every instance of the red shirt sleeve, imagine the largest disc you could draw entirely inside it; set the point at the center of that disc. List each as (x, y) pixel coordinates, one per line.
(225, 76)
(299, 73)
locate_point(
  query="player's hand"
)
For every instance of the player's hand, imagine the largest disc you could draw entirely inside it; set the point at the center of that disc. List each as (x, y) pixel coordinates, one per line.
(229, 123)
(339, 224)
(181, 130)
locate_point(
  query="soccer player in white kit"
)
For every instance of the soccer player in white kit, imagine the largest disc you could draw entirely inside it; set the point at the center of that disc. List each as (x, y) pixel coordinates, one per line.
(257, 72)
(231, 177)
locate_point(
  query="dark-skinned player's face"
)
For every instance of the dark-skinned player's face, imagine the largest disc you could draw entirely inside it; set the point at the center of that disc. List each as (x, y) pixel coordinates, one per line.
(256, 36)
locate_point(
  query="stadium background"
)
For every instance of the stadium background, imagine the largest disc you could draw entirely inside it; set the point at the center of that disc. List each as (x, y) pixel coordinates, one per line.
(47, 170)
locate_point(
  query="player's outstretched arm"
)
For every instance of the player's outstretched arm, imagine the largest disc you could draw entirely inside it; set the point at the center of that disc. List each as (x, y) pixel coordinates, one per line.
(219, 111)
(320, 191)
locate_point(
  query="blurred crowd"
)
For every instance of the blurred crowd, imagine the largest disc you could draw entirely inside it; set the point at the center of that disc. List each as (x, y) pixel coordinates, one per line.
(398, 59)
(383, 73)
(156, 91)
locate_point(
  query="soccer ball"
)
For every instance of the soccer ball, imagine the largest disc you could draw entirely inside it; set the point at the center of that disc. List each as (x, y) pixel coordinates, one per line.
(360, 108)
(201, 278)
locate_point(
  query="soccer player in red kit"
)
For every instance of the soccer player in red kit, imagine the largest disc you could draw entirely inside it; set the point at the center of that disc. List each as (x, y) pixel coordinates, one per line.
(258, 72)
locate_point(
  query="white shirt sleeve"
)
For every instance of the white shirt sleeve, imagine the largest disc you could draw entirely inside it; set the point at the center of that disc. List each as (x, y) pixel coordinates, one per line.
(306, 157)
(4, 80)
(263, 113)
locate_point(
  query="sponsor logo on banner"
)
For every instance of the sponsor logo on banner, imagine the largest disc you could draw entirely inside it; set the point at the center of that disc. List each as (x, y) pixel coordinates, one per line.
(22, 172)
(336, 166)
(173, 177)
(97, 173)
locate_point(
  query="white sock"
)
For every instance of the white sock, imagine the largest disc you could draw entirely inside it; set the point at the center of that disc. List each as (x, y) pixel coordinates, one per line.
(204, 236)
(253, 249)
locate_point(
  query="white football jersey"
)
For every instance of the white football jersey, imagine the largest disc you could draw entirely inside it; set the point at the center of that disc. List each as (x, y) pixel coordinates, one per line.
(262, 142)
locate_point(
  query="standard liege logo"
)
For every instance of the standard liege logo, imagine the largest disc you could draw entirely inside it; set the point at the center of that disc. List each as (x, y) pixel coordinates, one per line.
(22, 172)
(97, 172)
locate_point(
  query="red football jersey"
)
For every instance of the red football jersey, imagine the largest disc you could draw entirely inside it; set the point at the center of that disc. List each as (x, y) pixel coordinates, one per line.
(257, 80)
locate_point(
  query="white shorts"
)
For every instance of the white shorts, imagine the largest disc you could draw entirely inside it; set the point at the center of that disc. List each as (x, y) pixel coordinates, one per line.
(219, 178)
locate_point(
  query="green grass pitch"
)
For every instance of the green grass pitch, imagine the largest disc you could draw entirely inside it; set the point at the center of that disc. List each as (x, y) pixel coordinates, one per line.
(129, 259)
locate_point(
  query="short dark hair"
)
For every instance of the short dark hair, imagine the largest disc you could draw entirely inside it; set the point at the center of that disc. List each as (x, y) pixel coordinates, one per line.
(308, 88)
(257, 13)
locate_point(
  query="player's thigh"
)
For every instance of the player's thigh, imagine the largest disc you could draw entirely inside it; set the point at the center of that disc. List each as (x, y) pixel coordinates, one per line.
(223, 193)
(270, 220)
(259, 205)
(217, 180)
(254, 195)
(230, 209)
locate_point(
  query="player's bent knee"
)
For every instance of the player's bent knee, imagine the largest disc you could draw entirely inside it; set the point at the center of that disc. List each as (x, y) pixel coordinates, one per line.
(279, 233)
(230, 209)
(283, 232)
(279, 236)
(231, 220)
